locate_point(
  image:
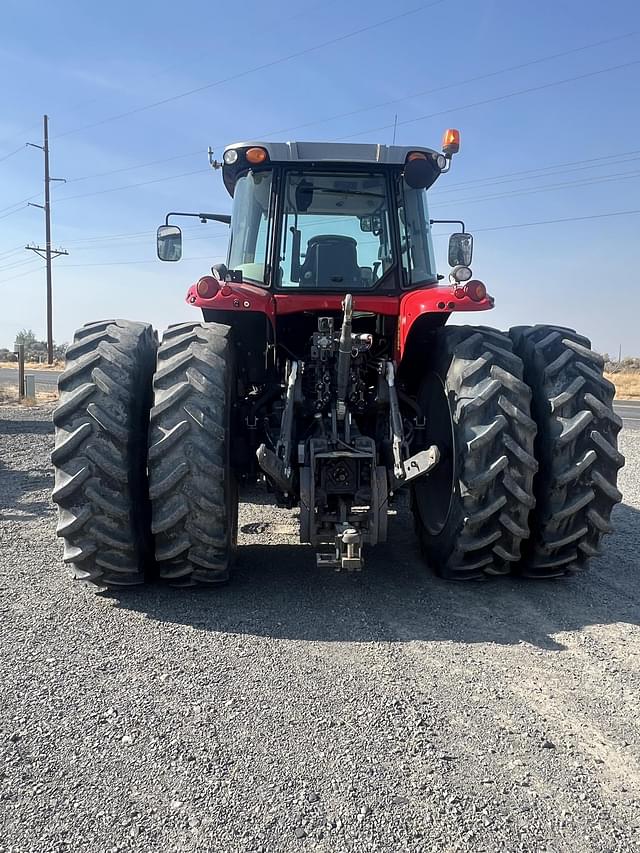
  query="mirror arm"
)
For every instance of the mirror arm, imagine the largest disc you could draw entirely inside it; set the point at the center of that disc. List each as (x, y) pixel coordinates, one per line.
(203, 217)
(448, 222)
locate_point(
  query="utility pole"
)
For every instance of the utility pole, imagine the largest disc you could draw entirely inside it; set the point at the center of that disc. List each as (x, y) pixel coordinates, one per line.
(47, 253)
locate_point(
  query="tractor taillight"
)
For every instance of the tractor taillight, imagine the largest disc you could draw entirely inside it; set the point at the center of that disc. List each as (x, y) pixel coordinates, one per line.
(416, 155)
(207, 287)
(476, 290)
(256, 155)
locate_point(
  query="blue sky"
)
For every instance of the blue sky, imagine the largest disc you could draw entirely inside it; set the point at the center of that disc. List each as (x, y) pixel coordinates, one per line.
(575, 145)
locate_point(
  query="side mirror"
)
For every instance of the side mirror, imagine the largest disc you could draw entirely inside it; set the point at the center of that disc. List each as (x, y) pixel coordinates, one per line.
(169, 243)
(460, 249)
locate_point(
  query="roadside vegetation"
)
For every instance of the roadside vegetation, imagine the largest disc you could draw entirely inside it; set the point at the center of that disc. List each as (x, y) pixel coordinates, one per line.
(625, 375)
(35, 352)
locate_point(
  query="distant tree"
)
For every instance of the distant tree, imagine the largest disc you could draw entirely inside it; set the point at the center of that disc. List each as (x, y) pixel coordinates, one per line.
(26, 337)
(35, 350)
(59, 351)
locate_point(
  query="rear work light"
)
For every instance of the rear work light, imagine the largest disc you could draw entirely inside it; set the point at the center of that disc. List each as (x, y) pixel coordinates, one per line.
(207, 287)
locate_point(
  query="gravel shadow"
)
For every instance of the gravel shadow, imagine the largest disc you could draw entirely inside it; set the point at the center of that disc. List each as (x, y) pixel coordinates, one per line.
(25, 488)
(277, 591)
(26, 426)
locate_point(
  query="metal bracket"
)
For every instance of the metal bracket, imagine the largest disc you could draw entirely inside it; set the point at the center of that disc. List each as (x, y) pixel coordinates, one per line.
(420, 463)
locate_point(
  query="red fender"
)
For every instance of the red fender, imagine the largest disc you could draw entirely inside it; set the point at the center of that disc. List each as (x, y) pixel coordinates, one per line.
(236, 297)
(441, 299)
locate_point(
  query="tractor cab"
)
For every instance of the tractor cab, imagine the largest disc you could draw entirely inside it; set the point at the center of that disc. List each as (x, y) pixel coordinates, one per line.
(311, 220)
(327, 217)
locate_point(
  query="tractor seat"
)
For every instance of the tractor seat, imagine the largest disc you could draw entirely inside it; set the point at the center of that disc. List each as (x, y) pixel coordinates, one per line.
(331, 261)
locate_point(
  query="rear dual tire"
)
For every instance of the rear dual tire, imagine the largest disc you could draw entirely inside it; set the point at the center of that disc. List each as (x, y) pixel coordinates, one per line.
(143, 480)
(101, 425)
(527, 478)
(191, 484)
(576, 447)
(471, 513)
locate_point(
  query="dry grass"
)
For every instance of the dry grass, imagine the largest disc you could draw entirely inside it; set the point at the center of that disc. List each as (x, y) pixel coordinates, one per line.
(627, 385)
(33, 365)
(9, 396)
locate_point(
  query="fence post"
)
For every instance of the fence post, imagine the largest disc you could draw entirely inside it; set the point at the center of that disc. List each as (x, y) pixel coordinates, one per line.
(30, 388)
(20, 371)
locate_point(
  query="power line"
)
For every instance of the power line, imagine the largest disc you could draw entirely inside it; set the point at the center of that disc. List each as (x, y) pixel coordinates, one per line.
(143, 235)
(131, 186)
(16, 264)
(22, 201)
(21, 133)
(548, 187)
(126, 263)
(17, 151)
(11, 251)
(20, 275)
(262, 67)
(541, 172)
(495, 99)
(128, 235)
(476, 230)
(139, 166)
(336, 116)
(453, 85)
(22, 207)
(145, 241)
(556, 221)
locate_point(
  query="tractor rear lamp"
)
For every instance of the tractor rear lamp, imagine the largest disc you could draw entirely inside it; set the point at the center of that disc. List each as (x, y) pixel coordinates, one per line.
(230, 157)
(451, 142)
(207, 287)
(476, 290)
(256, 155)
(416, 155)
(460, 273)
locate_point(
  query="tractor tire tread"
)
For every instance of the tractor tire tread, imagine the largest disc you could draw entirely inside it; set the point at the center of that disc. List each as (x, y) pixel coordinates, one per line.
(189, 483)
(576, 448)
(496, 463)
(101, 423)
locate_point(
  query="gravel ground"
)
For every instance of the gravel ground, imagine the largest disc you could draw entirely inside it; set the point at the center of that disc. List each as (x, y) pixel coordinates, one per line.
(300, 710)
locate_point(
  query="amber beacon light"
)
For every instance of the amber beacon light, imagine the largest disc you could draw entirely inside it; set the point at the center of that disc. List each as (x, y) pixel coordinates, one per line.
(451, 142)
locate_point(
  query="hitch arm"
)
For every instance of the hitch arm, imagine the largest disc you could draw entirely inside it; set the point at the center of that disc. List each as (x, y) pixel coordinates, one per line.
(344, 357)
(397, 430)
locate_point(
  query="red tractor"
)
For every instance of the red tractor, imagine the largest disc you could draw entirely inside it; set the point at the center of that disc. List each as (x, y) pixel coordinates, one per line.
(325, 367)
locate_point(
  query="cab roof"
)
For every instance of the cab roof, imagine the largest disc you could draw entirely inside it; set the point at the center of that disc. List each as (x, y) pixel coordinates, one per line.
(344, 153)
(334, 152)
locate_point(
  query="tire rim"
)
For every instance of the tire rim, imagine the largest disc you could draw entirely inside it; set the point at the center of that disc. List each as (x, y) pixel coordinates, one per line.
(434, 493)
